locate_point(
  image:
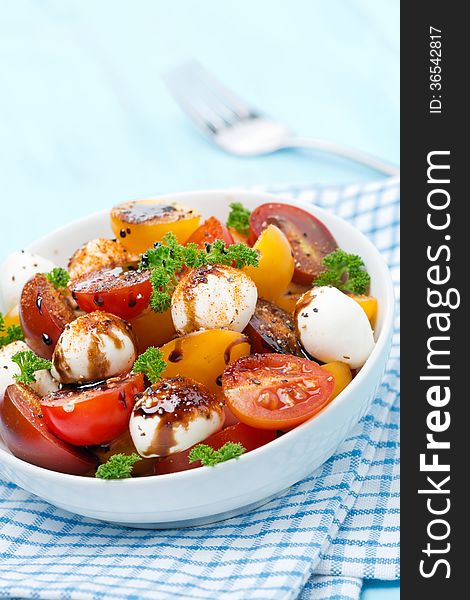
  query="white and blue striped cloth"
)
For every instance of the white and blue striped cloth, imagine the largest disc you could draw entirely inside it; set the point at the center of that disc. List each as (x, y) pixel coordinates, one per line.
(316, 541)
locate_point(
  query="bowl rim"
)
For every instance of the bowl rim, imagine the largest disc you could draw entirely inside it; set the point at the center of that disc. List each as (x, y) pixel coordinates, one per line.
(379, 347)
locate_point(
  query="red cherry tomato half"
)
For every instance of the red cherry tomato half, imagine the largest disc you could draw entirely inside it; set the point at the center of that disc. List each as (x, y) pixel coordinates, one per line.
(92, 414)
(309, 238)
(276, 391)
(44, 312)
(25, 433)
(271, 329)
(249, 437)
(212, 229)
(120, 292)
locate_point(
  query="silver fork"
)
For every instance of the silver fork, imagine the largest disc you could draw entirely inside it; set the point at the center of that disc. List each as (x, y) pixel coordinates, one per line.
(240, 129)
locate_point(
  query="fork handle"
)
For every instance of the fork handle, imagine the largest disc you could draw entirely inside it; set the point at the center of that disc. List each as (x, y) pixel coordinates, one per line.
(345, 152)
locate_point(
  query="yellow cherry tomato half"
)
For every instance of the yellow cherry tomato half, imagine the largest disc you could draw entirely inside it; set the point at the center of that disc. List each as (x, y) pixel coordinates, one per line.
(342, 374)
(152, 329)
(276, 263)
(204, 355)
(12, 317)
(140, 223)
(369, 305)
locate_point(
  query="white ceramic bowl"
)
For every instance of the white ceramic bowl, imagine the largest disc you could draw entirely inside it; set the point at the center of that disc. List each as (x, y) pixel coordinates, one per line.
(210, 494)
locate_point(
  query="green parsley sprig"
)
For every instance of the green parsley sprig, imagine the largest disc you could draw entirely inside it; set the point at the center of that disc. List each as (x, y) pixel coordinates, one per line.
(164, 260)
(118, 466)
(239, 218)
(168, 257)
(58, 277)
(29, 363)
(210, 457)
(13, 333)
(345, 272)
(151, 364)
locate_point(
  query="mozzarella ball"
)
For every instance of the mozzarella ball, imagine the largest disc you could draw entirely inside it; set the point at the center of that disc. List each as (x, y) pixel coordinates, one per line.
(173, 415)
(332, 326)
(95, 346)
(44, 383)
(213, 297)
(15, 271)
(98, 254)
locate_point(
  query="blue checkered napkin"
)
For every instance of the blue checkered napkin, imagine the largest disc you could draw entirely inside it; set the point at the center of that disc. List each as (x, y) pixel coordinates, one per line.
(327, 587)
(317, 540)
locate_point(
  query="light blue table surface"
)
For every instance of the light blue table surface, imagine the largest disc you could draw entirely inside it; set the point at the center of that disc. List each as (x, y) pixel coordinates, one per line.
(86, 122)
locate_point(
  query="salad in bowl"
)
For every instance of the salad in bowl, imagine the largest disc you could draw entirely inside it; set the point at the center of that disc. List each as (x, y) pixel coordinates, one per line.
(182, 339)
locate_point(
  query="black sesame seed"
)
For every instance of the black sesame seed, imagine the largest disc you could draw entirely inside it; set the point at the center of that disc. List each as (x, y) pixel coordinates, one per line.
(46, 339)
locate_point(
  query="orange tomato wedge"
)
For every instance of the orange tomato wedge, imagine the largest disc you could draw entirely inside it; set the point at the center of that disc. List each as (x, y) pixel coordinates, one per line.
(141, 223)
(289, 297)
(342, 374)
(204, 355)
(276, 263)
(152, 329)
(369, 305)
